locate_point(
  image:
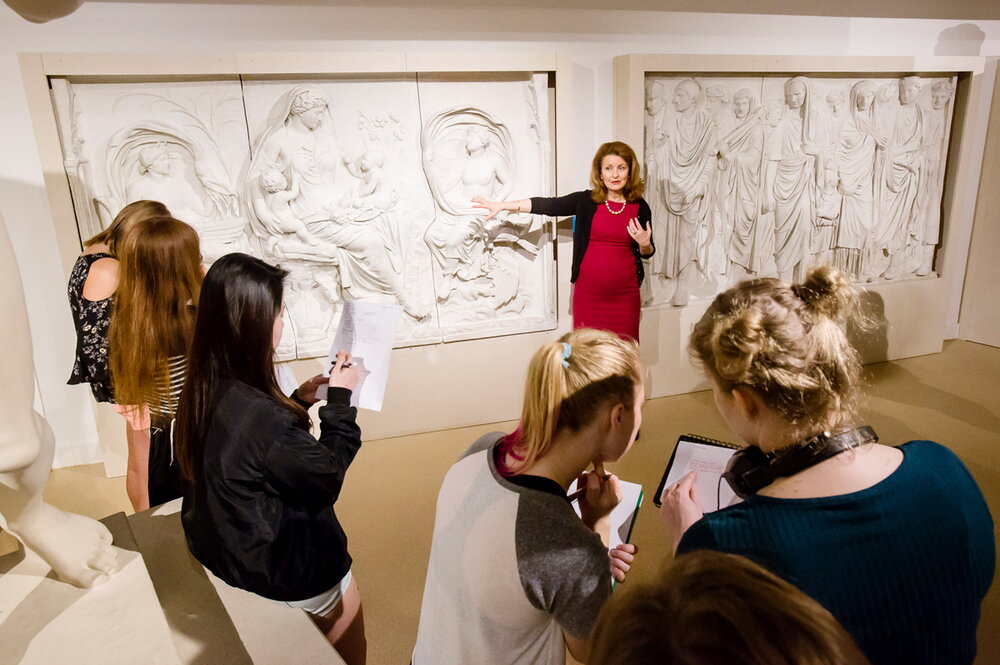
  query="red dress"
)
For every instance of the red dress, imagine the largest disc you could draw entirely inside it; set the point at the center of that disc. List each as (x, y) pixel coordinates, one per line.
(606, 294)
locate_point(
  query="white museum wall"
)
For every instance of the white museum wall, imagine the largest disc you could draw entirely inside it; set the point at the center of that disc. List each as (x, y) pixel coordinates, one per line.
(590, 38)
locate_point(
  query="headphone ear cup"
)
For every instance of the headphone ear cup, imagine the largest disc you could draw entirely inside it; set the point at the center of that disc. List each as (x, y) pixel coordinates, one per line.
(748, 471)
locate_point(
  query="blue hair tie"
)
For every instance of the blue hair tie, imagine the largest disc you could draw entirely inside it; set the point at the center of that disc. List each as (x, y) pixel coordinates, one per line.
(566, 353)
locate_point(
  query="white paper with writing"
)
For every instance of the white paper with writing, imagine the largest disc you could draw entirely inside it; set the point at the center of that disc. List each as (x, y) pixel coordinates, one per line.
(366, 331)
(709, 461)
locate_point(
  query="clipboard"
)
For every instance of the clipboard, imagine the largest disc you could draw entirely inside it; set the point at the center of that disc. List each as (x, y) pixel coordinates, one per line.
(709, 458)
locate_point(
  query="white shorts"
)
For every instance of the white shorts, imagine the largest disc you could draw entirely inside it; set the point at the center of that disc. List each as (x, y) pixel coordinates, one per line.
(325, 602)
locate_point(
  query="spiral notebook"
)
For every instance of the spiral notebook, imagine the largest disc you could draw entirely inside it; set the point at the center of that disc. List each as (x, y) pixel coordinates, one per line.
(709, 458)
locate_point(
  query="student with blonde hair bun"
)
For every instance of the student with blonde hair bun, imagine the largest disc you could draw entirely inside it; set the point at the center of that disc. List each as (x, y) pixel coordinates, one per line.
(897, 542)
(515, 576)
(156, 301)
(710, 608)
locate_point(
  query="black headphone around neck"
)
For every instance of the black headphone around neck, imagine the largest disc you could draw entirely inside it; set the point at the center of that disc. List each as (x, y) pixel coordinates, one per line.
(750, 470)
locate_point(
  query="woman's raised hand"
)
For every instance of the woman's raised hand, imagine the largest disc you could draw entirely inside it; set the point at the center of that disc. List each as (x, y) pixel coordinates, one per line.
(494, 207)
(344, 374)
(622, 557)
(640, 235)
(679, 507)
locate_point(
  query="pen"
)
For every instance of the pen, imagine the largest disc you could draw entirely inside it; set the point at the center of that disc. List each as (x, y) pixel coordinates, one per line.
(580, 492)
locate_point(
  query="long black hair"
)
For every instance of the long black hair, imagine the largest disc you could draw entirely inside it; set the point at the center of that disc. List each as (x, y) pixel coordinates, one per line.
(240, 299)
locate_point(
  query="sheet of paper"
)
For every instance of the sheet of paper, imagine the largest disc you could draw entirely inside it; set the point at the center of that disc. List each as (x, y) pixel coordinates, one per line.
(623, 513)
(286, 378)
(710, 462)
(367, 331)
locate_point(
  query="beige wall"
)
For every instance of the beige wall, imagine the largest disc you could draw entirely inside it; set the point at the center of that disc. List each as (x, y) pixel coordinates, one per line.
(980, 317)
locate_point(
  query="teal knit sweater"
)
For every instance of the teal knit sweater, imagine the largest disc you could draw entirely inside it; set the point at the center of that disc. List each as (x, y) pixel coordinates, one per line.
(903, 565)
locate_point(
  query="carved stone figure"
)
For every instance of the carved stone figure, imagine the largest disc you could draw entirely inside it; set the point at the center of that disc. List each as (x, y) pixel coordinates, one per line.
(160, 161)
(855, 164)
(690, 152)
(468, 153)
(899, 213)
(77, 548)
(157, 182)
(741, 164)
(934, 150)
(790, 184)
(315, 224)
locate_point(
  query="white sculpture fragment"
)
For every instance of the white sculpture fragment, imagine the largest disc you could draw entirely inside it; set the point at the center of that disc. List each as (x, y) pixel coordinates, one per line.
(77, 548)
(332, 179)
(468, 153)
(833, 170)
(686, 175)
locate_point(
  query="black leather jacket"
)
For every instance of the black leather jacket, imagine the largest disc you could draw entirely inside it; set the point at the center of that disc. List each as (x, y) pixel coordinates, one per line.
(260, 516)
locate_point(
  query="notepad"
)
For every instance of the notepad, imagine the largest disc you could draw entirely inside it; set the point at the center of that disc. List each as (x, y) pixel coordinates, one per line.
(709, 458)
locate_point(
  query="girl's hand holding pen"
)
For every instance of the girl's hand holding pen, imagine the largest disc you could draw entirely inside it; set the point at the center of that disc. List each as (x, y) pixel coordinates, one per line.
(344, 373)
(601, 494)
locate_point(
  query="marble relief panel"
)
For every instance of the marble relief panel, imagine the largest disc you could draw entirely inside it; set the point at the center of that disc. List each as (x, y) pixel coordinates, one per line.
(767, 176)
(358, 187)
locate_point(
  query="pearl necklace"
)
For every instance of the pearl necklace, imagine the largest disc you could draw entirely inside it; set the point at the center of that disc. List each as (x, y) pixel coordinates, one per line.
(607, 204)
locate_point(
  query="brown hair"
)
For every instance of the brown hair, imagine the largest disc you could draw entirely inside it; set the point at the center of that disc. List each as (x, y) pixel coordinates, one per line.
(633, 189)
(153, 317)
(564, 392)
(711, 608)
(123, 221)
(789, 345)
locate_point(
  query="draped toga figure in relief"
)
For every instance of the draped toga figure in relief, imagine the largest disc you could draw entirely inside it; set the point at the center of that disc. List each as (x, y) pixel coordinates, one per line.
(935, 131)
(855, 158)
(741, 163)
(790, 185)
(690, 159)
(898, 221)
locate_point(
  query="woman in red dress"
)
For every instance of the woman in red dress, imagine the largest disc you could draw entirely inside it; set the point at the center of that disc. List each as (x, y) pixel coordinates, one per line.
(612, 233)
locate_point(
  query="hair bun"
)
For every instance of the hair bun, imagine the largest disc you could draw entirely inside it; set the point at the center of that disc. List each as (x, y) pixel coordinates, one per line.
(738, 341)
(827, 291)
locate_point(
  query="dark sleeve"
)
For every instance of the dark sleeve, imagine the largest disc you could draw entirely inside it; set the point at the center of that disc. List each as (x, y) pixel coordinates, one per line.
(311, 470)
(646, 219)
(557, 206)
(563, 566)
(699, 536)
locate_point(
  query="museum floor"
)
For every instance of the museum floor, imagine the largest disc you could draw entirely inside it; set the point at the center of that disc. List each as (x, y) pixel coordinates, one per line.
(387, 506)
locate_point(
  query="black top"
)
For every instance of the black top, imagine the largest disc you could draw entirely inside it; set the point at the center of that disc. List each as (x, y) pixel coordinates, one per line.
(260, 516)
(583, 207)
(91, 319)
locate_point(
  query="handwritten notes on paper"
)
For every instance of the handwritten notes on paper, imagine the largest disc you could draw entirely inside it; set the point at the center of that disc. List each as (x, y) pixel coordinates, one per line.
(367, 331)
(710, 462)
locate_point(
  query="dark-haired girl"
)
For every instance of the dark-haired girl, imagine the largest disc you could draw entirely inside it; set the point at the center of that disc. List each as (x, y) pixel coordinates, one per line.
(259, 488)
(612, 233)
(896, 542)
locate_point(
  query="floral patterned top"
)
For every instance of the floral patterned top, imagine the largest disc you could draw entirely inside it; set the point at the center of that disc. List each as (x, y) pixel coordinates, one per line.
(91, 318)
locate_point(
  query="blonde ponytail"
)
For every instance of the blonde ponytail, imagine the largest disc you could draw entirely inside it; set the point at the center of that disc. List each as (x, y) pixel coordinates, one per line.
(568, 380)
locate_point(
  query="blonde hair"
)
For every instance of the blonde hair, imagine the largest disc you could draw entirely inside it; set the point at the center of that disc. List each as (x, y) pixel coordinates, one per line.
(126, 217)
(789, 345)
(633, 189)
(711, 608)
(564, 390)
(153, 317)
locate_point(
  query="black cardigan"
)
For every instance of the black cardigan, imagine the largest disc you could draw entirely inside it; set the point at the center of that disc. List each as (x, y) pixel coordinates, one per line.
(260, 516)
(581, 205)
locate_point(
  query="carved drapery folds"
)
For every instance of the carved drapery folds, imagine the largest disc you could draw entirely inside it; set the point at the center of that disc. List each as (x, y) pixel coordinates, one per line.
(359, 188)
(767, 176)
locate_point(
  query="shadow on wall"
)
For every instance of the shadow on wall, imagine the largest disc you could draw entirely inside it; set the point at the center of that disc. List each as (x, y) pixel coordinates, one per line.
(871, 335)
(962, 39)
